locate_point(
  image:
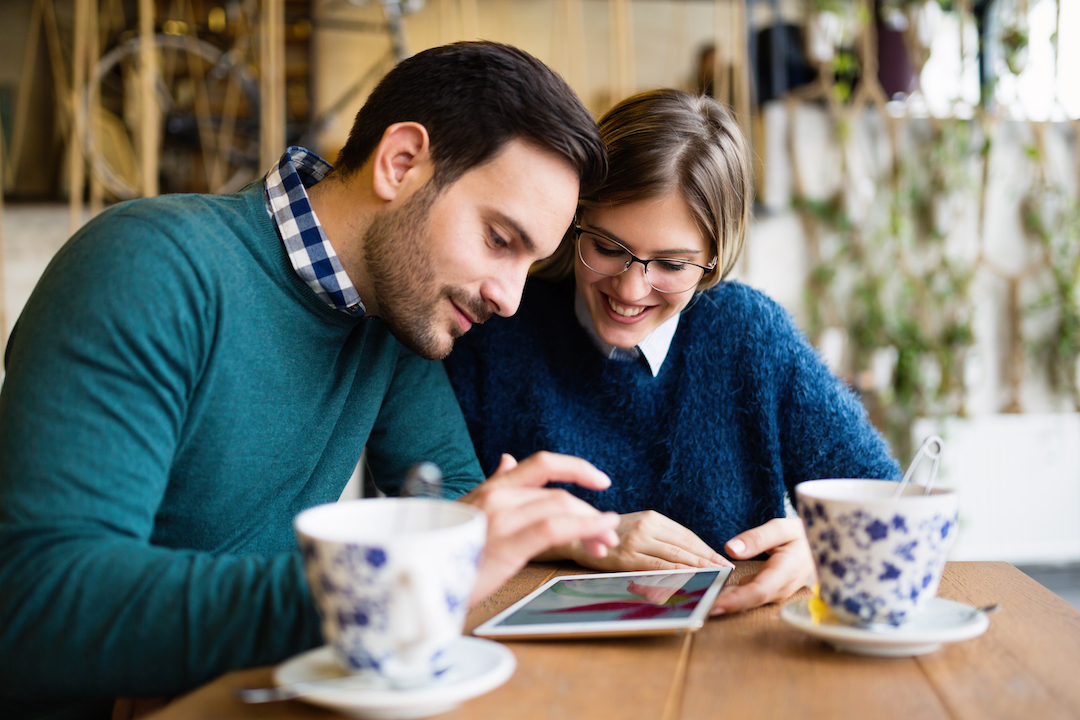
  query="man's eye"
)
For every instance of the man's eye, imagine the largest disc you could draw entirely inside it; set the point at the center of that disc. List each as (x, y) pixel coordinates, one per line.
(497, 239)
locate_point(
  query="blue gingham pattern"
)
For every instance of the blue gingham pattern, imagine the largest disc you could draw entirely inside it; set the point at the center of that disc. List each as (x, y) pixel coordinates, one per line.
(310, 252)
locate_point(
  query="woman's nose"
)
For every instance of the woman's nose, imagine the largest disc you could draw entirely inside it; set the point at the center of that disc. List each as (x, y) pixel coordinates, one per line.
(633, 283)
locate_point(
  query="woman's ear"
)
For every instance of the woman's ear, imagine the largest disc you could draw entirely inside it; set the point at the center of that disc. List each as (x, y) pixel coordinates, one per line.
(402, 153)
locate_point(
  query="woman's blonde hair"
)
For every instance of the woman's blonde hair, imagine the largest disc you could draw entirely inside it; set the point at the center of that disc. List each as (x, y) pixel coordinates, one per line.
(669, 140)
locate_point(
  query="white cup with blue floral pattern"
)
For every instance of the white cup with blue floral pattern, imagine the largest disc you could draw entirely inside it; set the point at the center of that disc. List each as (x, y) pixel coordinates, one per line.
(391, 579)
(879, 558)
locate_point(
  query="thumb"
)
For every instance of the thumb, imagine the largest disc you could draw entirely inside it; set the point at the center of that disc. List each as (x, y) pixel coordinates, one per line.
(764, 538)
(506, 463)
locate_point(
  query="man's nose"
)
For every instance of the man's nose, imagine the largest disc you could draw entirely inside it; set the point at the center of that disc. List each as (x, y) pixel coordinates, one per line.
(503, 294)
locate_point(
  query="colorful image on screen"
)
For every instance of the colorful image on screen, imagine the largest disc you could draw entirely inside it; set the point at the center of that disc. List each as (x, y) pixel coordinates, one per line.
(642, 597)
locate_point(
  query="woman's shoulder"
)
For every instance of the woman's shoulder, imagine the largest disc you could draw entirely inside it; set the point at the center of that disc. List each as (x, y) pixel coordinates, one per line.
(736, 306)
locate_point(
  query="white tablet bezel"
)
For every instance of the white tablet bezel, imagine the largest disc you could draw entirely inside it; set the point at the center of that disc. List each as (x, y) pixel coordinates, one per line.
(608, 628)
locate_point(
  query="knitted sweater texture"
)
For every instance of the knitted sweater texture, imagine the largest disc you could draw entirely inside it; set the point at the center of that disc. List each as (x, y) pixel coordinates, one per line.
(175, 394)
(742, 410)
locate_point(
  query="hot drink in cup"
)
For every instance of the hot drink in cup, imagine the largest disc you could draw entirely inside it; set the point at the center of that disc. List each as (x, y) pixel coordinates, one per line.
(879, 558)
(391, 579)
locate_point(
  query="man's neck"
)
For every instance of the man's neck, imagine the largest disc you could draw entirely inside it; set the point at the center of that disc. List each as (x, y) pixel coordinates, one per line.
(344, 205)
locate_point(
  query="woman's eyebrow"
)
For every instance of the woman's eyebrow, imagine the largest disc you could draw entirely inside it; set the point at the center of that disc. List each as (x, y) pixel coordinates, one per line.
(659, 253)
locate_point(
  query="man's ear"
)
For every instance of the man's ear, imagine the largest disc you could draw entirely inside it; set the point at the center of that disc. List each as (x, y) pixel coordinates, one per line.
(401, 154)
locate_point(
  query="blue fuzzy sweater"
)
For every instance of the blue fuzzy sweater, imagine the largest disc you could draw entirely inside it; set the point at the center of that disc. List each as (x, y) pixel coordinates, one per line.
(742, 409)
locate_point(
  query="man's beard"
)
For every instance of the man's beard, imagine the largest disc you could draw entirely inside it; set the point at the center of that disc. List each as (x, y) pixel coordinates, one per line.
(397, 255)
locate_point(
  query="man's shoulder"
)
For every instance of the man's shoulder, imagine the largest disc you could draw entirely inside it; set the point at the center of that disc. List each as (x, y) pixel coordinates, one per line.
(187, 230)
(186, 217)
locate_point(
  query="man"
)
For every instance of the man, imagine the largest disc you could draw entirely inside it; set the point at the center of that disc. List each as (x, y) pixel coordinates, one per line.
(192, 371)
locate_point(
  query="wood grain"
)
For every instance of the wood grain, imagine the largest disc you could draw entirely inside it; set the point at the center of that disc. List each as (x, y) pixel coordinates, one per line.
(753, 665)
(617, 678)
(1025, 665)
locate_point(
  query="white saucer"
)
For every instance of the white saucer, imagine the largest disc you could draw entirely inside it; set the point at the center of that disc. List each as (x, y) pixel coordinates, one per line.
(475, 667)
(942, 621)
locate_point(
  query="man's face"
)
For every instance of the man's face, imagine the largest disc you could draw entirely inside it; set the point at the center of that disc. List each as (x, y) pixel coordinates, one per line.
(441, 261)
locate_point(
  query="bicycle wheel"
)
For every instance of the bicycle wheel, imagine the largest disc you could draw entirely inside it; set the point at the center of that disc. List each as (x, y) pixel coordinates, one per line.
(209, 105)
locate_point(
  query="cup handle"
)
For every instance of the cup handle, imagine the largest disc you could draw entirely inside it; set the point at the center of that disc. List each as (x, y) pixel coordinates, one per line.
(418, 600)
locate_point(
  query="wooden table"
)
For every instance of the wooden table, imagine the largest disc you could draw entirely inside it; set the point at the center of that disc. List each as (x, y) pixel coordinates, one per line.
(753, 665)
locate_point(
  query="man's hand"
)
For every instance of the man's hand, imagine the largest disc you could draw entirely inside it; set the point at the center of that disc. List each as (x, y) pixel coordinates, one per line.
(789, 567)
(647, 541)
(525, 518)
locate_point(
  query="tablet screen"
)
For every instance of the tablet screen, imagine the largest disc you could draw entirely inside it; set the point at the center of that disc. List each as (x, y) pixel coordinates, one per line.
(616, 602)
(641, 597)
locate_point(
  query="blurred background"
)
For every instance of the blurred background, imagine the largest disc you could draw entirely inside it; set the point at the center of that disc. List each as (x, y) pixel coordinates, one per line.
(916, 166)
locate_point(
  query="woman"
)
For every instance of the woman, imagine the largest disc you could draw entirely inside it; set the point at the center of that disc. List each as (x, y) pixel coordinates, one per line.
(697, 396)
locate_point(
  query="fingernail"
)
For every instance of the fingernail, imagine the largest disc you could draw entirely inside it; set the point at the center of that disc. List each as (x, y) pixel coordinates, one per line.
(736, 546)
(717, 611)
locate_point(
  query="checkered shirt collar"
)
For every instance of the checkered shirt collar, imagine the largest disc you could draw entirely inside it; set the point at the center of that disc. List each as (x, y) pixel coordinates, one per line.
(309, 250)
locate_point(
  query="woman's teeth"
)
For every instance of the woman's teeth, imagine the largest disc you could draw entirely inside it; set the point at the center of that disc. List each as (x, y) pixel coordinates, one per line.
(624, 311)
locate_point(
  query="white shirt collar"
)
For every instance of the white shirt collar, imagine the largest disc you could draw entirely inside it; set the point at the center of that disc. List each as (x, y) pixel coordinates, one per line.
(654, 348)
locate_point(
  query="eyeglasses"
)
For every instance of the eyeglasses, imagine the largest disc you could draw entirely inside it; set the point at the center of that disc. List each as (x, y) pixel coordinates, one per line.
(605, 256)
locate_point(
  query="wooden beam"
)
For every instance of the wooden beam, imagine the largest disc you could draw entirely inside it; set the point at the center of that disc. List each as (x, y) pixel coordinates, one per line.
(622, 51)
(93, 102)
(3, 275)
(76, 159)
(272, 82)
(150, 113)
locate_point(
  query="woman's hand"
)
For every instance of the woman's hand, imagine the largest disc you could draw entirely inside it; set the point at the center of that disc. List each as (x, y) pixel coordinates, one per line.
(789, 567)
(525, 518)
(647, 541)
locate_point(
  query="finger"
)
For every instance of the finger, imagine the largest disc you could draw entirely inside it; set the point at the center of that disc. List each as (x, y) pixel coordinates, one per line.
(543, 467)
(670, 557)
(693, 551)
(599, 547)
(511, 508)
(775, 581)
(501, 560)
(764, 538)
(507, 462)
(654, 534)
(494, 496)
(557, 530)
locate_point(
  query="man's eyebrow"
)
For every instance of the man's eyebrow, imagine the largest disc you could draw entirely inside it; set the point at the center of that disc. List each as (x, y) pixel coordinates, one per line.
(523, 235)
(597, 230)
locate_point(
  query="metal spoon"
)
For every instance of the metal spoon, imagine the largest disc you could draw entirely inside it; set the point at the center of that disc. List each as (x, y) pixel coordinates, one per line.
(424, 479)
(255, 695)
(931, 448)
(988, 609)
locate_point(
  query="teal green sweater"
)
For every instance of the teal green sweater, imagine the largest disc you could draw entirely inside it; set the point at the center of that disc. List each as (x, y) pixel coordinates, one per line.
(175, 394)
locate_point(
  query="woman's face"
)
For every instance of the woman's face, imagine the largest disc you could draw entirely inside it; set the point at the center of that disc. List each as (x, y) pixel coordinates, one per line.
(625, 308)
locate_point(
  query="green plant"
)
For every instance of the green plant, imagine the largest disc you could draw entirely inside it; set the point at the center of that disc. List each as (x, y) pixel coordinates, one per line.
(1051, 217)
(890, 281)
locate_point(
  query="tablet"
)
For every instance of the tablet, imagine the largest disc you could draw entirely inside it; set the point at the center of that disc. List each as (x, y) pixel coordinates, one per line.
(629, 603)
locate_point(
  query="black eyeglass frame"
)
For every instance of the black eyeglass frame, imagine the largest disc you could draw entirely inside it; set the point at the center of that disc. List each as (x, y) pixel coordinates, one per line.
(578, 230)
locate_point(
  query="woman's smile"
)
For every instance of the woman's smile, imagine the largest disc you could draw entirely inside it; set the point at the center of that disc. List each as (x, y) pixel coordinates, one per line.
(625, 308)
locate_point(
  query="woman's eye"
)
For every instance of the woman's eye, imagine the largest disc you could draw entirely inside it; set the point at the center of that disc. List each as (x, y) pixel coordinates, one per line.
(672, 266)
(607, 248)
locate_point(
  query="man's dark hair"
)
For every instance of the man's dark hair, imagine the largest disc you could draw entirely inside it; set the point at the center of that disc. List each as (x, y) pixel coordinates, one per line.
(473, 98)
